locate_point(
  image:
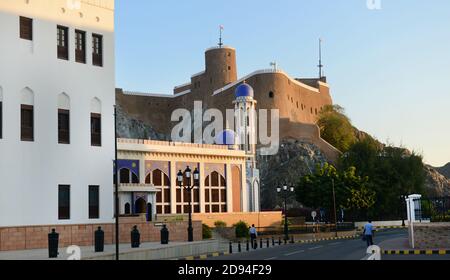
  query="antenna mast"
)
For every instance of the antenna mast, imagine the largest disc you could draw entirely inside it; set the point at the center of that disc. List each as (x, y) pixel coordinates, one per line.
(220, 37)
(320, 59)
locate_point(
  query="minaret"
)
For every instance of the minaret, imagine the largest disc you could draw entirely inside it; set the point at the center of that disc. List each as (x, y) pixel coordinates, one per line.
(245, 110)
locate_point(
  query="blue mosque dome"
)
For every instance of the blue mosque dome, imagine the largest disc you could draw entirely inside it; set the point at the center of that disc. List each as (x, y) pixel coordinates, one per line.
(226, 137)
(244, 90)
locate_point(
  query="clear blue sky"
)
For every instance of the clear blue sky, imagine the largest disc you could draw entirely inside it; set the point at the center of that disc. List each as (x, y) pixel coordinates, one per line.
(389, 68)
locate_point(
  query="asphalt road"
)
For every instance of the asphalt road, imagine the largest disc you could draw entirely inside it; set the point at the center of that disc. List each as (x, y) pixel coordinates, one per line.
(353, 249)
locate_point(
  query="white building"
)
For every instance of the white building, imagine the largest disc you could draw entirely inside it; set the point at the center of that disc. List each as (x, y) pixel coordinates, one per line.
(57, 84)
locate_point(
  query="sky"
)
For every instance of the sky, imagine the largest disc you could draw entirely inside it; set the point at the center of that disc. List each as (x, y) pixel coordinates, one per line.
(389, 68)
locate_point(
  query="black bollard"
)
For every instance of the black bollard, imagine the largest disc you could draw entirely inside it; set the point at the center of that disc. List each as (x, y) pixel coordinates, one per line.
(268, 243)
(285, 241)
(99, 240)
(248, 246)
(135, 238)
(273, 241)
(164, 235)
(279, 240)
(53, 240)
(261, 243)
(231, 247)
(239, 247)
(292, 239)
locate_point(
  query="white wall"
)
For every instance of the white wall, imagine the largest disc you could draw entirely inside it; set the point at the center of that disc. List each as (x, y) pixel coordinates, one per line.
(30, 172)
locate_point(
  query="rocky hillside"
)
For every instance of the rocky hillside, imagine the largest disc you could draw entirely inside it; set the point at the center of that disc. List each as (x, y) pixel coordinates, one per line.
(436, 184)
(294, 159)
(445, 170)
(130, 128)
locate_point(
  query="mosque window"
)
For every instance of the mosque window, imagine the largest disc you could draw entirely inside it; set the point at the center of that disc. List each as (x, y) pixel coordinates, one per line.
(27, 123)
(94, 202)
(96, 130)
(229, 68)
(311, 110)
(97, 50)
(26, 28)
(62, 38)
(215, 193)
(316, 111)
(80, 46)
(127, 208)
(271, 94)
(297, 104)
(63, 126)
(64, 202)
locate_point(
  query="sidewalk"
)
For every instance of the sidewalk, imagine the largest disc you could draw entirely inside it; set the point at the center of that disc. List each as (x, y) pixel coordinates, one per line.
(400, 246)
(147, 251)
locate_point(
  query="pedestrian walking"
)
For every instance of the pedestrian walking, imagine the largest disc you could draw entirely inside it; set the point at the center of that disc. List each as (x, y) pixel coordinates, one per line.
(368, 233)
(253, 236)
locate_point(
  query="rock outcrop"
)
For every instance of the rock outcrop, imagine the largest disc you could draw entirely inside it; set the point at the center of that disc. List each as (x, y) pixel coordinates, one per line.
(128, 127)
(445, 170)
(436, 184)
(294, 160)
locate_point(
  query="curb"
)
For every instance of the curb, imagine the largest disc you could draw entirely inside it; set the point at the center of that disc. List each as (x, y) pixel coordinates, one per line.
(386, 227)
(328, 239)
(219, 254)
(202, 257)
(416, 252)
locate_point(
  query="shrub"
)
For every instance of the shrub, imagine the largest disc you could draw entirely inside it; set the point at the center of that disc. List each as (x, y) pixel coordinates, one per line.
(241, 229)
(206, 231)
(220, 224)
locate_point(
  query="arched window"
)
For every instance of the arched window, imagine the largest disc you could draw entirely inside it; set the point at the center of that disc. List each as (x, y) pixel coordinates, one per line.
(215, 193)
(27, 115)
(161, 181)
(63, 119)
(271, 94)
(96, 122)
(127, 208)
(127, 176)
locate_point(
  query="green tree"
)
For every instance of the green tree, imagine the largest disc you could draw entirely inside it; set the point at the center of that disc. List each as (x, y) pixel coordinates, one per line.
(351, 191)
(393, 172)
(336, 128)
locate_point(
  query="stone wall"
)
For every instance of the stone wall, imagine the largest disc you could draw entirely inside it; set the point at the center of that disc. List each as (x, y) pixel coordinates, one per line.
(36, 237)
(432, 236)
(263, 219)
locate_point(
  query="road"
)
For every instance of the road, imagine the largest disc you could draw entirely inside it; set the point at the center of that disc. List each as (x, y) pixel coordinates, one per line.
(354, 249)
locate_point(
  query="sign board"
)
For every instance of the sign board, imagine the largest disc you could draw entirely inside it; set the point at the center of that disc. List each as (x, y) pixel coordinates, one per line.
(314, 214)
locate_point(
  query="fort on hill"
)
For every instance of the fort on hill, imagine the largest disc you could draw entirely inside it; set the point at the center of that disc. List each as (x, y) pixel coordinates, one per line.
(299, 100)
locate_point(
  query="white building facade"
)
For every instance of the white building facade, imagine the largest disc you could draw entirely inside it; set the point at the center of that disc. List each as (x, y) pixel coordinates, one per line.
(57, 86)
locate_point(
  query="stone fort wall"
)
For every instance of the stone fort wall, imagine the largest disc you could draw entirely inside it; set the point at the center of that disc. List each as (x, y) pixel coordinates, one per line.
(299, 100)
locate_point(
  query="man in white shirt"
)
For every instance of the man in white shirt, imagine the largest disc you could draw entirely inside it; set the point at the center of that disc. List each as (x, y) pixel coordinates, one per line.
(368, 233)
(253, 235)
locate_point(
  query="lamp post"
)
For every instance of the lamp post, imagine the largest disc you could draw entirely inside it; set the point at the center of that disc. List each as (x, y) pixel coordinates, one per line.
(334, 206)
(116, 187)
(285, 190)
(180, 178)
(403, 198)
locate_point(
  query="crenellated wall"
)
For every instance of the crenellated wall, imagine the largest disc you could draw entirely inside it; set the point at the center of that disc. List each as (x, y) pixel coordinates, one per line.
(299, 100)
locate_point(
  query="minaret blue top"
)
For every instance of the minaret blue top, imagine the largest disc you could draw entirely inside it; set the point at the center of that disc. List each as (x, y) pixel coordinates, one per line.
(244, 90)
(225, 137)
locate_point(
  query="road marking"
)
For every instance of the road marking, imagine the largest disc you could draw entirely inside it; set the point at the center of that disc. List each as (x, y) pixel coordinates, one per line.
(294, 253)
(269, 259)
(315, 248)
(335, 243)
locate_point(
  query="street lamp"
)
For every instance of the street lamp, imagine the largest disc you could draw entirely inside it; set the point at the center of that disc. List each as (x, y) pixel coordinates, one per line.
(403, 198)
(285, 190)
(334, 206)
(187, 174)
